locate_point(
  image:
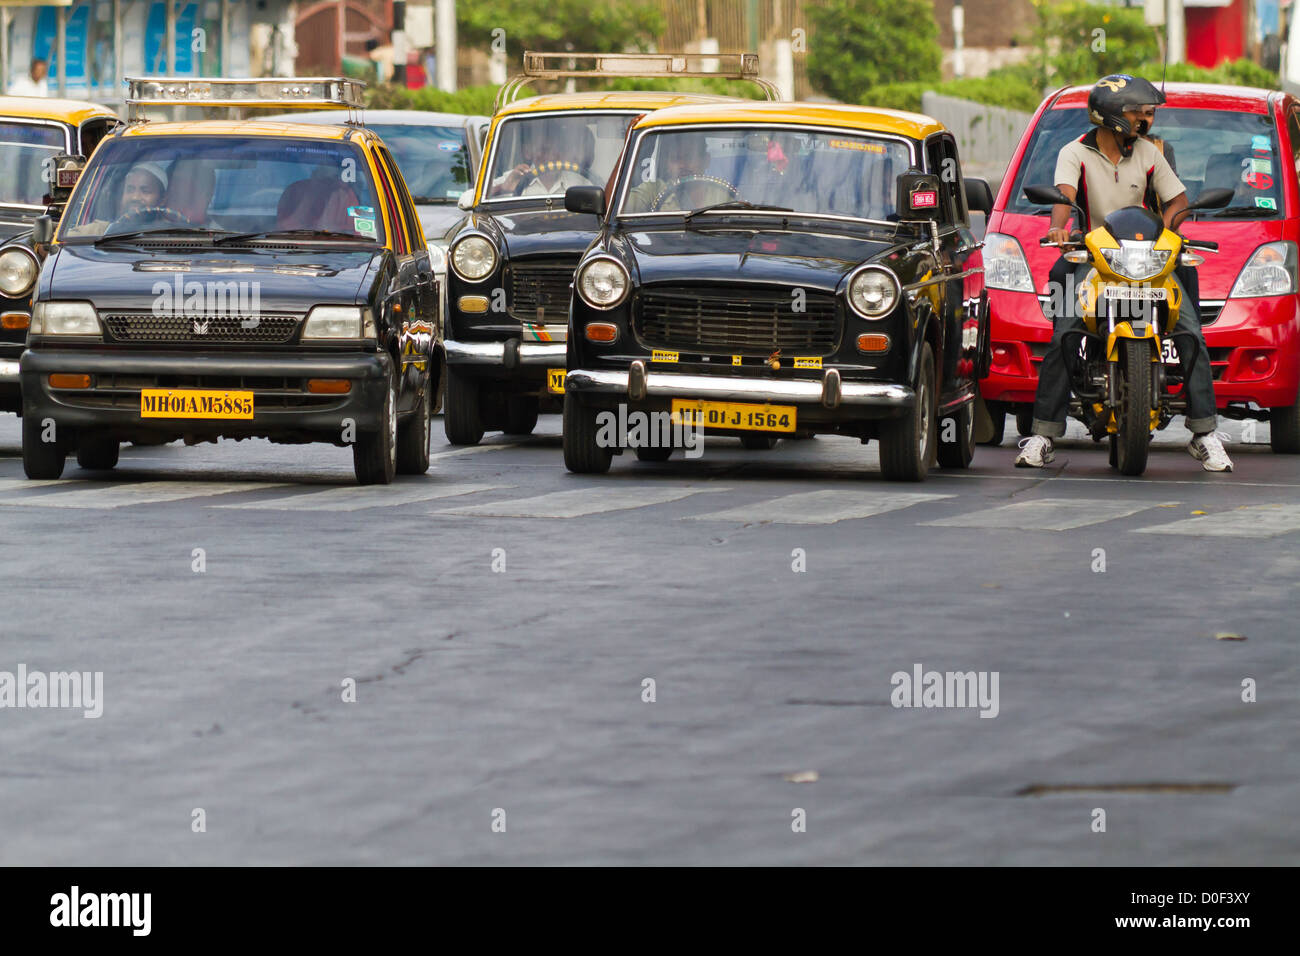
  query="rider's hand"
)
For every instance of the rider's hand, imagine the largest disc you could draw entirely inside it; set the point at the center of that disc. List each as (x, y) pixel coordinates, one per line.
(1058, 235)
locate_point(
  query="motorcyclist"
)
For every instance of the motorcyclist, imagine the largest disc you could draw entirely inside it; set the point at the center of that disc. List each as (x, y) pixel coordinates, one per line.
(1109, 168)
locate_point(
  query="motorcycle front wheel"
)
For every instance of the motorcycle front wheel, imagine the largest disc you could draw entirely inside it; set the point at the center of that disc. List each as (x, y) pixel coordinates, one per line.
(1135, 404)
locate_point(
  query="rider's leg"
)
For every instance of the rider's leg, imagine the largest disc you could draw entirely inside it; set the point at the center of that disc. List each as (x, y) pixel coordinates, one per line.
(1199, 385)
(1052, 400)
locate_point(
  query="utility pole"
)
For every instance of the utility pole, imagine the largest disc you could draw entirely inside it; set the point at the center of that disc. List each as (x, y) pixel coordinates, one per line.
(444, 51)
(958, 40)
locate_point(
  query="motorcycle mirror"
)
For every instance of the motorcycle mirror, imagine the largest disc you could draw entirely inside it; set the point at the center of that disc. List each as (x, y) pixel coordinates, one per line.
(1212, 199)
(1046, 196)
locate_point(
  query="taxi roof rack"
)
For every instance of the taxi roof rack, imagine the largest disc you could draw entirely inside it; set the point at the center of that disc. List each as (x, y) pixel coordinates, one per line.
(304, 92)
(558, 66)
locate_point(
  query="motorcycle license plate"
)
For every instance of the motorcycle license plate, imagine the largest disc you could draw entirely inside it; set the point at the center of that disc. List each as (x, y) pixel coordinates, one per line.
(1168, 352)
(1134, 292)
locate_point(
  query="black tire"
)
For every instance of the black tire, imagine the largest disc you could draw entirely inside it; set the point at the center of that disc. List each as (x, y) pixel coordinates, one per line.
(374, 455)
(1284, 429)
(98, 452)
(462, 417)
(653, 454)
(41, 459)
(958, 452)
(582, 455)
(998, 413)
(1134, 419)
(413, 437)
(907, 445)
(757, 442)
(1112, 444)
(521, 414)
(1025, 422)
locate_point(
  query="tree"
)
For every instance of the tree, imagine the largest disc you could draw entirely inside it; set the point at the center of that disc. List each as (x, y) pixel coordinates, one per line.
(857, 44)
(583, 26)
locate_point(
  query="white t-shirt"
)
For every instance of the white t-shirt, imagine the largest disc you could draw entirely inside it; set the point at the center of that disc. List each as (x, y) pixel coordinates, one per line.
(1108, 186)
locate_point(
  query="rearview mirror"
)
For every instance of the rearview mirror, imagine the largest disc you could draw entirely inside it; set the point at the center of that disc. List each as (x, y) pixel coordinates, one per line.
(979, 198)
(466, 200)
(43, 230)
(1046, 196)
(585, 199)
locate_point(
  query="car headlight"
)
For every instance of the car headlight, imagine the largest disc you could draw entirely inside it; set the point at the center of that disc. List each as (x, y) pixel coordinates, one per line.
(438, 259)
(338, 322)
(603, 283)
(1136, 260)
(1004, 264)
(873, 292)
(474, 258)
(18, 271)
(64, 318)
(1271, 270)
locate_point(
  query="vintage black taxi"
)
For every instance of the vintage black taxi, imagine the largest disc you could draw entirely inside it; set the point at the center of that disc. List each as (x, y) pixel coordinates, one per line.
(234, 279)
(512, 259)
(34, 134)
(770, 269)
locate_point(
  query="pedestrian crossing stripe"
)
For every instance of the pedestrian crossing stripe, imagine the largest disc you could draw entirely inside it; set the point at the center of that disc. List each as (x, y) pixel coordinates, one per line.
(356, 498)
(819, 507)
(1249, 521)
(581, 502)
(1048, 514)
(124, 493)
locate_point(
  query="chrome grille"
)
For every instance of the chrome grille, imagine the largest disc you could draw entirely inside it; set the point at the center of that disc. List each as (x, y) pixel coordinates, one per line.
(745, 320)
(543, 285)
(147, 327)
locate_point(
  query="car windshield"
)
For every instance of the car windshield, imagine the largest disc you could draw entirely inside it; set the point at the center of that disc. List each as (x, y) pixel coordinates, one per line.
(434, 160)
(545, 155)
(825, 173)
(224, 184)
(24, 149)
(1212, 149)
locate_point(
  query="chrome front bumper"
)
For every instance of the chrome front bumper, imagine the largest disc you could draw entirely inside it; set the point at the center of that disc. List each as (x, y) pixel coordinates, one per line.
(639, 384)
(8, 370)
(508, 354)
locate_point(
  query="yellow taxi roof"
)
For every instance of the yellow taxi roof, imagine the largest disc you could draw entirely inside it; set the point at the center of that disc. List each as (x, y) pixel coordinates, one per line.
(612, 99)
(250, 127)
(864, 118)
(73, 112)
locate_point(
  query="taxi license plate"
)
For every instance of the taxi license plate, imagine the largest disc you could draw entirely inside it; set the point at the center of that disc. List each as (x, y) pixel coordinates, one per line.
(1134, 292)
(555, 381)
(195, 403)
(735, 415)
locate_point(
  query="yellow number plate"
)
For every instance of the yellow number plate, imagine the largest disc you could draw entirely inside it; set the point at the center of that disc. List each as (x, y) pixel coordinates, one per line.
(555, 381)
(741, 417)
(194, 403)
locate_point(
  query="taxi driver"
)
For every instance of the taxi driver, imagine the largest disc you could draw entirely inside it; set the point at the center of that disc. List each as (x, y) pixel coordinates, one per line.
(143, 188)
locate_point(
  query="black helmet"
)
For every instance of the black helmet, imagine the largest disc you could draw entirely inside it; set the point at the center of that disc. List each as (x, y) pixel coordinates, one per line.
(1116, 93)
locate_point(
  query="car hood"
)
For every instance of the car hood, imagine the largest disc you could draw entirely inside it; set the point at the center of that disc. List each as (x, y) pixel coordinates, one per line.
(124, 277)
(812, 260)
(551, 232)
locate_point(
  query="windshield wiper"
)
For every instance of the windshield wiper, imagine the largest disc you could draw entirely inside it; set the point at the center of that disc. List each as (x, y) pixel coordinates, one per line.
(1242, 212)
(176, 231)
(735, 204)
(289, 234)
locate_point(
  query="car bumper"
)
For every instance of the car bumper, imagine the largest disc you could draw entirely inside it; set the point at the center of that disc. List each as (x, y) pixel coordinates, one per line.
(1019, 333)
(510, 354)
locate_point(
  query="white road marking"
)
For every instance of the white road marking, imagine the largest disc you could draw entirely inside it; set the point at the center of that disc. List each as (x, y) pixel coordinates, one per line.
(357, 497)
(18, 484)
(121, 494)
(582, 501)
(819, 507)
(471, 449)
(1248, 521)
(1048, 514)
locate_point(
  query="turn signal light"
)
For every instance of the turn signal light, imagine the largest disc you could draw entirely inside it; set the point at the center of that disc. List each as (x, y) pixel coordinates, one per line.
(873, 342)
(329, 386)
(601, 332)
(473, 303)
(65, 380)
(15, 320)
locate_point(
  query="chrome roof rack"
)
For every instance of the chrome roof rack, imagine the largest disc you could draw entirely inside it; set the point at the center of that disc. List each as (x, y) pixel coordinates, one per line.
(311, 92)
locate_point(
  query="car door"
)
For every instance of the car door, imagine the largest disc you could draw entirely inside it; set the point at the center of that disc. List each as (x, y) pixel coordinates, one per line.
(958, 255)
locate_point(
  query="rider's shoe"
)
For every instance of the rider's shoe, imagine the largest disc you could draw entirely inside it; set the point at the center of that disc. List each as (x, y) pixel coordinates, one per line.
(1035, 452)
(1208, 450)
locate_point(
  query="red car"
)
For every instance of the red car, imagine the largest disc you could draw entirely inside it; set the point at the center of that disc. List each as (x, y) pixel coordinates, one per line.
(1244, 139)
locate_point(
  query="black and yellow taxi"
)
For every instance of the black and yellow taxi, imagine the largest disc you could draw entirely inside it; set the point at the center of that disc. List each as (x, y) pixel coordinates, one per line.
(511, 260)
(35, 133)
(771, 269)
(234, 279)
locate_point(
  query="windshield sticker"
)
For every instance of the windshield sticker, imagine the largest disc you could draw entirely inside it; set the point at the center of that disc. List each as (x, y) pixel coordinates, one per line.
(449, 147)
(1265, 202)
(364, 226)
(1261, 166)
(355, 211)
(1261, 143)
(1259, 181)
(855, 144)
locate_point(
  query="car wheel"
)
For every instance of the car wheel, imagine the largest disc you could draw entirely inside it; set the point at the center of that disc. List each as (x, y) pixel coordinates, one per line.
(461, 414)
(754, 442)
(654, 454)
(41, 459)
(521, 415)
(374, 456)
(960, 426)
(998, 415)
(1025, 421)
(98, 452)
(413, 437)
(907, 443)
(1284, 429)
(582, 454)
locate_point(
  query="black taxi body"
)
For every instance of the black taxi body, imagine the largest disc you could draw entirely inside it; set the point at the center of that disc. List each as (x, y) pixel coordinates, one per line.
(778, 269)
(224, 279)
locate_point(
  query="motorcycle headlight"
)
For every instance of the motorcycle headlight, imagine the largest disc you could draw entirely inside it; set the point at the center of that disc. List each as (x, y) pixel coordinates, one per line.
(18, 271)
(1004, 264)
(338, 322)
(873, 292)
(64, 318)
(603, 283)
(1136, 260)
(474, 258)
(1271, 270)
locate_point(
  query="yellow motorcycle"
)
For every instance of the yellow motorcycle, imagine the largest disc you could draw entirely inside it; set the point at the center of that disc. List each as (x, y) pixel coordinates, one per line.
(1124, 363)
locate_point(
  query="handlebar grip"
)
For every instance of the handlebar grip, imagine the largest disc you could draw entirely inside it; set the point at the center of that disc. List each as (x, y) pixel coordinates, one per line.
(1201, 244)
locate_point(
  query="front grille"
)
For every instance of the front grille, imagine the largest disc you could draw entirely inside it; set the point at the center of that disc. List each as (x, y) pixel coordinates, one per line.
(1210, 312)
(745, 320)
(541, 285)
(252, 330)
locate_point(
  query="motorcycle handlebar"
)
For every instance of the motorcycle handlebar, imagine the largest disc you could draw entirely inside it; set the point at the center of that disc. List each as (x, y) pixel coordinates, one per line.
(1076, 239)
(1201, 244)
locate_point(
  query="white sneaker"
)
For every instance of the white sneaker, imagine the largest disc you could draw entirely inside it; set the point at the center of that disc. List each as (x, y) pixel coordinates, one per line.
(1035, 452)
(1208, 450)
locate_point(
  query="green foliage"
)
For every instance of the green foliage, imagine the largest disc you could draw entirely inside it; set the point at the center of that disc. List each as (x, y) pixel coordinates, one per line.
(858, 45)
(691, 85)
(1010, 90)
(471, 99)
(1079, 42)
(584, 26)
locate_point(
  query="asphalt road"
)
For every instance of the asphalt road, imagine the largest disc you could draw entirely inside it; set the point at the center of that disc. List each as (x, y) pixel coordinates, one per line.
(521, 689)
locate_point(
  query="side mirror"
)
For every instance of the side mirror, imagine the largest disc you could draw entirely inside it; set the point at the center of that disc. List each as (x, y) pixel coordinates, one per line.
(466, 200)
(43, 230)
(585, 199)
(1212, 199)
(1046, 196)
(979, 198)
(918, 197)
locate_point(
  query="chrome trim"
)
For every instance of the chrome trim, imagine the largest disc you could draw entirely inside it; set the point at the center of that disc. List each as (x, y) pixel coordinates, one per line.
(582, 267)
(872, 267)
(727, 388)
(8, 370)
(832, 388)
(636, 381)
(944, 278)
(494, 353)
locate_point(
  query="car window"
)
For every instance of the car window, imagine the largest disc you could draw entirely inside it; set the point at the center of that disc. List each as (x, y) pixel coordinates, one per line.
(24, 149)
(1293, 132)
(403, 208)
(820, 173)
(941, 152)
(400, 232)
(545, 155)
(434, 160)
(239, 184)
(1214, 149)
